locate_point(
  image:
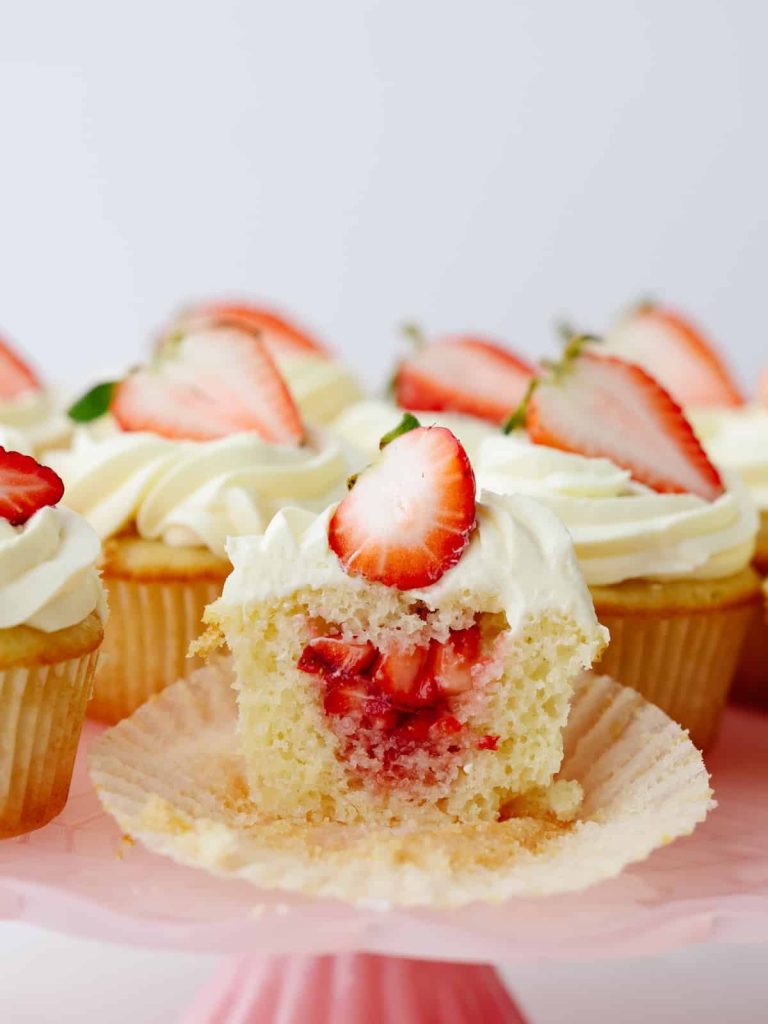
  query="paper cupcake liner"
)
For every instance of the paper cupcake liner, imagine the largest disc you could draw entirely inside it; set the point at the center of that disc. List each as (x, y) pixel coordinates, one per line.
(683, 663)
(148, 633)
(42, 708)
(750, 685)
(174, 778)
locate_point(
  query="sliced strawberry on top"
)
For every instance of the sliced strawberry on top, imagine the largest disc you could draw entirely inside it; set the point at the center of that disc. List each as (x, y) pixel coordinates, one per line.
(604, 407)
(401, 675)
(450, 663)
(16, 376)
(207, 384)
(463, 374)
(333, 657)
(25, 487)
(408, 518)
(677, 354)
(281, 337)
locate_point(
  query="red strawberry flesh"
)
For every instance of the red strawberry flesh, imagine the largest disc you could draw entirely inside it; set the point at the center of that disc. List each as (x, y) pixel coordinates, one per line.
(25, 487)
(466, 375)
(280, 335)
(409, 517)
(400, 674)
(451, 663)
(332, 656)
(16, 377)
(600, 406)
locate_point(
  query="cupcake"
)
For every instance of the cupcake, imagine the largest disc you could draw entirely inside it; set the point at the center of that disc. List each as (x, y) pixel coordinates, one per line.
(202, 443)
(665, 541)
(407, 655)
(466, 383)
(321, 385)
(733, 433)
(51, 627)
(30, 419)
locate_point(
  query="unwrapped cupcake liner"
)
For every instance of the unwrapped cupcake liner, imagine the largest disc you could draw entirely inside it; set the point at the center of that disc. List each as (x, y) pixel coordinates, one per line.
(150, 627)
(42, 708)
(683, 663)
(174, 778)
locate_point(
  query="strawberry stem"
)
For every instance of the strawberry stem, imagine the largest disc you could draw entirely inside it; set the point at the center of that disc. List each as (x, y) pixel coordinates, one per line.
(517, 420)
(415, 335)
(405, 426)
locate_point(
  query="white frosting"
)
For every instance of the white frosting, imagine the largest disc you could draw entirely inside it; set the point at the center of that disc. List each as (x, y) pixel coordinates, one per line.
(321, 387)
(37, 418)
(519, 560)
(14, 440)
(193, 492)
(737, 439)
(361, 427)
(48, 578)
(622, 530)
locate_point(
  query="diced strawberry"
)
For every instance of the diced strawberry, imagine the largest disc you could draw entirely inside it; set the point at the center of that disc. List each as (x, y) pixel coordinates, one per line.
(331, 657)
(16, 376)
(430, 723)
(347, 697)
(381, 714)
(463, 374)
(604, 407)
(25, 487)
(677, 354)
(450, 664)
(281, 337)
(409, 517)
(400, 674)
(488, 742)
(208, 384)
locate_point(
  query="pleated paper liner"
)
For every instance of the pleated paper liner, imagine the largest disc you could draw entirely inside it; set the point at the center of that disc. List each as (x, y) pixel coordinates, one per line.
(42, 708)
(173, 778)
(150, 627)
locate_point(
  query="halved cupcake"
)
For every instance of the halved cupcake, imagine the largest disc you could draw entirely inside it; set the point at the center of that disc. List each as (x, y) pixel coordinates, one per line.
(465, 382)
(320, 383)
(51, 626)
(664, 540)
(407, 655)
(202, 443)
(30, 416)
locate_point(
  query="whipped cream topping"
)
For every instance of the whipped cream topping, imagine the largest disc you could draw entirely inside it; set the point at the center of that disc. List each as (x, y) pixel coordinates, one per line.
(622, 530)
(361, 427)
(48, 578)
(321, 387)
(37, 418)
(737, 439)
(193, 492)
(519, 561)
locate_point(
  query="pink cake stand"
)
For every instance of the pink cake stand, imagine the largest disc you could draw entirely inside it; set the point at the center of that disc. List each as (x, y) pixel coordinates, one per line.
(319, 960)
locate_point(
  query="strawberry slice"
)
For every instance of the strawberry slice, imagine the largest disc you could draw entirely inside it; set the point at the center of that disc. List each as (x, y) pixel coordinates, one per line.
(463, 374)
(677, 354)
(401, 675)
(16, 376)
(331, 657)
(450, 664)
(601, 406)
(207, 384)
(762, 388)
(409, 517)
(25, 487)
(281, 337)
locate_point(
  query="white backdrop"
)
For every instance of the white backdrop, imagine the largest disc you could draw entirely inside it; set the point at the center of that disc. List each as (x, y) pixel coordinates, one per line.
(482, 165)
(469, 164)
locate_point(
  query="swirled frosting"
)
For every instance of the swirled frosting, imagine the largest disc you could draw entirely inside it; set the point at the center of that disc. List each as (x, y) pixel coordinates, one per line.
(519, 560)
(193, 492)
(361, 427)
(35, 416)
(737, 439)
(622, 530)
(48, 576)
(321, 387)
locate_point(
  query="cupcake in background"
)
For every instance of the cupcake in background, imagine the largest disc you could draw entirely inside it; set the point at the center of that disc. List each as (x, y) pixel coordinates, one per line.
(52, 612)
(320, 383)
(664, 539)
(734, 433)
(203, 443)
(467, 383)
(30, 417)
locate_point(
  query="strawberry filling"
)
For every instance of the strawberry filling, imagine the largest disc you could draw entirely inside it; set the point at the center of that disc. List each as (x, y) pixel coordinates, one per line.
(388, 705)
